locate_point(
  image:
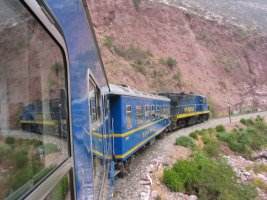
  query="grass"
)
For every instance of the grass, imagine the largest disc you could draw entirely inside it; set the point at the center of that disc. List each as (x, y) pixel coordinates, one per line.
(207, 178)
(185, 141)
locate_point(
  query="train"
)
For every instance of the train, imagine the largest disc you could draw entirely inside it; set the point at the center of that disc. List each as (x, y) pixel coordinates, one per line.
(65, 131)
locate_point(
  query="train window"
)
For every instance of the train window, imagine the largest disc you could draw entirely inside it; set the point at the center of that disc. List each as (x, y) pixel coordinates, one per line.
(129, 116)
(139, 115)
(146, 112)
(94, 101)
(61, 191)
(33, 118)
(153, 112)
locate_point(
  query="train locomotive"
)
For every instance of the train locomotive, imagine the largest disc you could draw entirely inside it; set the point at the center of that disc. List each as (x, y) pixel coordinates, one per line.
(187, 109)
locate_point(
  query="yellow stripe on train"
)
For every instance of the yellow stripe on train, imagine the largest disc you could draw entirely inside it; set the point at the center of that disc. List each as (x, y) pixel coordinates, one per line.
(185, 115)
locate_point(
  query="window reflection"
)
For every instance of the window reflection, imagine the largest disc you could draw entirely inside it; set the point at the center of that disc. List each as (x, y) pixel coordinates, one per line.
(33, 130)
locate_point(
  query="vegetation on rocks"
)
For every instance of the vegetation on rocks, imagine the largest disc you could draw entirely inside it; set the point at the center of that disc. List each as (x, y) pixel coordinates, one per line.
(185, 141)
(170, 62)
(206, 173)
(246, 140)
(207, 178)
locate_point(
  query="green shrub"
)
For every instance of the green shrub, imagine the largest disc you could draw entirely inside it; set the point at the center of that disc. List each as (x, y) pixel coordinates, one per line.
(247, 122)
(211, 144)
(170, 62)
(194, 134)
(212, 148)
(185, 141)
(220, 128)
(10, 140)
(173, 180)
(207, 178)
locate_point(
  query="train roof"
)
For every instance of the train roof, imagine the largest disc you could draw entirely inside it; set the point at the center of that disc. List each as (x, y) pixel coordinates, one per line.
(180, 94)
(128, 91)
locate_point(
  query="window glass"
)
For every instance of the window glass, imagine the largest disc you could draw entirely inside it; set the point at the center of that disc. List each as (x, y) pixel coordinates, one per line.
(146, 112)
(153, 111)
(62, 191)
(128, 117)
(139, 115)
(33, 126)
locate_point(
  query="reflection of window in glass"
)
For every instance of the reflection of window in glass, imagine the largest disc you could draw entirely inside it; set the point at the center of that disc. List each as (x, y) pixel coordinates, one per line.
(129, 116)
(61, 191)
(94, 99)
(139, 115)
(33, 127)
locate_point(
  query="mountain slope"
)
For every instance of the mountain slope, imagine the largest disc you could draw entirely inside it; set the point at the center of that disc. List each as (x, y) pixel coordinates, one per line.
(156, 47)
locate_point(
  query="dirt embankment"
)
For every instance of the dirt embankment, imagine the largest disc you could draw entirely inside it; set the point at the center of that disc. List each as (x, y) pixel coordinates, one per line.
(156, 47)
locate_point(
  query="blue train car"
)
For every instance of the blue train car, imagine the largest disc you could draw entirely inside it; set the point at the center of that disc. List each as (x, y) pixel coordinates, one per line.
(51, 83)
(187, 109)
(137, 118)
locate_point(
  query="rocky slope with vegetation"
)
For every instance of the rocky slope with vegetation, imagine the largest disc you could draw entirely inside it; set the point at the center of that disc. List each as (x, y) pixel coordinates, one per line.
(225, 163)
(157, 47)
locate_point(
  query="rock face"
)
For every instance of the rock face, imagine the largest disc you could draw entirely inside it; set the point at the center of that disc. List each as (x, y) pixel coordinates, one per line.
(226, 63)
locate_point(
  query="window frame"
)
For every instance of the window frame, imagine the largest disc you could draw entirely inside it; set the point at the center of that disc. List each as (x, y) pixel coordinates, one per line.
(47, 184)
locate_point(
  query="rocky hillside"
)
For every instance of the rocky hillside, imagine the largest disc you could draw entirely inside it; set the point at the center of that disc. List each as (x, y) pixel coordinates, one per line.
(156, 47)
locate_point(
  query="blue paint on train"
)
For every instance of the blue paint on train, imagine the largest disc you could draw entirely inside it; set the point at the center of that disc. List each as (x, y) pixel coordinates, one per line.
(83, 56)
(136, 121)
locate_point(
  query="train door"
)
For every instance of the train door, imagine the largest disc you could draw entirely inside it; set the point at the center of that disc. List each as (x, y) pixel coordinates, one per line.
(97, 135)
